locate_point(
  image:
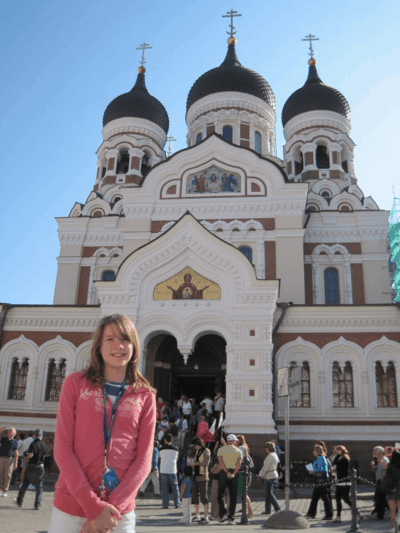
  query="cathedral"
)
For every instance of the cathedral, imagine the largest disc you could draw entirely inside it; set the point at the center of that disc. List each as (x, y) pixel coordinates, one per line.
(231, 262)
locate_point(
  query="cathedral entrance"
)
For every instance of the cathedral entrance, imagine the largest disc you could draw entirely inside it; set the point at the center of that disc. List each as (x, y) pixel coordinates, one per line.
(203, 374)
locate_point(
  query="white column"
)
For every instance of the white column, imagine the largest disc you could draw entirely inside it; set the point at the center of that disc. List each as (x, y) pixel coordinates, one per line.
(316, 280)
(261, 256)
(347, 276)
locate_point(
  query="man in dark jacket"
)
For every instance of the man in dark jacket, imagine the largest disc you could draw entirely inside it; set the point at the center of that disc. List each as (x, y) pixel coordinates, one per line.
(35, 471)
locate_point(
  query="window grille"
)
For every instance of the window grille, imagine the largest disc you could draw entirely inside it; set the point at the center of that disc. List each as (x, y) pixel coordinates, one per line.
(342, 385)
(199, 138)
(257, 142)
(18, 379)
(331, 281)
(386, 391)
(55, 379)
(305, 385)
(247, 251)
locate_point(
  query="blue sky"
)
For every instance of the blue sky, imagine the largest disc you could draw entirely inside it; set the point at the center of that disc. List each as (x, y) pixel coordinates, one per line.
(63, 62)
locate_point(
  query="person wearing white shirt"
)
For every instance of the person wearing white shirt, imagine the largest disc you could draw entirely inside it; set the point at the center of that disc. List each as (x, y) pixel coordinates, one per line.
(24, 449)
(182, 430)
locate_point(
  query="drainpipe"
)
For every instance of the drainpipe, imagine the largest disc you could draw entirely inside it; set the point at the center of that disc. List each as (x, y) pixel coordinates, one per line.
(284, 306)
(5, 309)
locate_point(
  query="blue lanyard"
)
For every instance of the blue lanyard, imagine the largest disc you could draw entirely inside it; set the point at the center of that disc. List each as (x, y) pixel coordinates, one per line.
(107, 433)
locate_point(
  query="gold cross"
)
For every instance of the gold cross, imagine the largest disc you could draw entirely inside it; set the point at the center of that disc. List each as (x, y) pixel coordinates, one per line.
(143, 47)
(231, 14)
(310, 38)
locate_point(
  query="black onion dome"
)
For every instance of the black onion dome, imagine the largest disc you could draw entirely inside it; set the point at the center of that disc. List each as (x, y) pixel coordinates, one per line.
(314, 96)
(231, 75)
(137, 103)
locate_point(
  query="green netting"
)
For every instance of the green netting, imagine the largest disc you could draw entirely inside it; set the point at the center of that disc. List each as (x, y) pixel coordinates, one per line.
(394, 236)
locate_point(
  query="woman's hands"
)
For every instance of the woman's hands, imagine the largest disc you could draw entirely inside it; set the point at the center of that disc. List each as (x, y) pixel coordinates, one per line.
(105, 522)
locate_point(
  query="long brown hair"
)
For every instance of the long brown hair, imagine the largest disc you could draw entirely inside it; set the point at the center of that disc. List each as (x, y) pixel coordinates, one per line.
(344, 451)
(95, 372)
(242, 442)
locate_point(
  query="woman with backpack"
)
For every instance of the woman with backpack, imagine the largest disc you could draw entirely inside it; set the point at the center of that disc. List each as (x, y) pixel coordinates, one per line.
(321, 474)
(247, 461)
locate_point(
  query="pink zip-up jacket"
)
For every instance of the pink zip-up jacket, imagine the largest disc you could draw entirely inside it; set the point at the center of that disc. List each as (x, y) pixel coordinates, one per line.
(79, 446)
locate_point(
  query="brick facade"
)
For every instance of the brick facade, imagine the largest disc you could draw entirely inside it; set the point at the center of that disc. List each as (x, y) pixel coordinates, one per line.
(83, 286)
(270, 259)
(357, 280)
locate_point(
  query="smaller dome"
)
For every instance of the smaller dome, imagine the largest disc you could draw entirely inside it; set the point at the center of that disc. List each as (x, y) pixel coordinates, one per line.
(137, 103)
(314, 96)
(231, 75)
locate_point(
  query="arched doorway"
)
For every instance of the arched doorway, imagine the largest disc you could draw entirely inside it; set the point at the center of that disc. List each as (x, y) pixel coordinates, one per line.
(203, 374)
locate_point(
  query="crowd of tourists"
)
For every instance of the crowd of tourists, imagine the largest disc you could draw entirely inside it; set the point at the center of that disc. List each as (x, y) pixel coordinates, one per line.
(97, 484)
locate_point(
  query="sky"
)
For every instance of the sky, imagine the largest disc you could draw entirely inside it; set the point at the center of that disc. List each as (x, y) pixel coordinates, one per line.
(63, 62)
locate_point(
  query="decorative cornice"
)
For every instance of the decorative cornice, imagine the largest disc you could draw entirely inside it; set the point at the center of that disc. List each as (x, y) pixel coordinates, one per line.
(207, 211)
(51, 318)
(343, 323)
(129, 125)
(218, 101)
(337, 235)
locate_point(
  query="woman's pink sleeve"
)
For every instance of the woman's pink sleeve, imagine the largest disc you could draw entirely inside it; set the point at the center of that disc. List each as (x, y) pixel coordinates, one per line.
(126, 491)
(64, 453)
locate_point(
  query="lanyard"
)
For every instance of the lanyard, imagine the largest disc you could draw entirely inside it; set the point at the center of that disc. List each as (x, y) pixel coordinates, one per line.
(107, 432)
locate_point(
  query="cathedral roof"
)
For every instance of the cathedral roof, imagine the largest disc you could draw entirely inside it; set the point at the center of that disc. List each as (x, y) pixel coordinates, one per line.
(231, 75)
(314, 96)
(137, 103)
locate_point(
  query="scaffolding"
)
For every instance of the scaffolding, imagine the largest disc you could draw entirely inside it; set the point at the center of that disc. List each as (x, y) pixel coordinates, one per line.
(394, 251)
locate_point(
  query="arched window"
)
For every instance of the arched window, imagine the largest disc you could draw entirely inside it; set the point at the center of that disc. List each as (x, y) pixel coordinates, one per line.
(55, 379)
(227, 133)
(257, 142)
(298, 164)
(322, 157)
(331, 281)
(108, 275)
(97, 213)
(342, 385)
(247, 251)
(18, 379)
(304, 400)
(199, 138)
(386, 391)
(123, 163)
(145, 165)
(325, 194)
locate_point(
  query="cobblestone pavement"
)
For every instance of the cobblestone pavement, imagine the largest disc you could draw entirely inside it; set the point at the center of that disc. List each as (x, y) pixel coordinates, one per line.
(152, 518)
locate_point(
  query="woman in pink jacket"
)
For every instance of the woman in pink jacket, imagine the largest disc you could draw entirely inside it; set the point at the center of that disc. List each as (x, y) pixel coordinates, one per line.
(104, 435)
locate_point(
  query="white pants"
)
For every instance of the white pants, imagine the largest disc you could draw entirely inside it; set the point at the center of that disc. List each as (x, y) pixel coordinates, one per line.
(154, 477)
(65, 523)
(186, 510)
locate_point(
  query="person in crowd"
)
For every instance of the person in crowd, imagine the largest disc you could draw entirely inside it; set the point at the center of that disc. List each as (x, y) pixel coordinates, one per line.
(159, 405)
(24, 451)
(182, 430)
(247, 463)
(219, 440)
(230, 460)
(154, 474)
(209, 404)
(8, 459)
(269, 474)
(176, 412)
(215, 470)
(219, 403)
(187, 409)
(193, 417)
(378, 466)
(112, 406)
(166, 410)
(203, 431)
(330, 471)
(392, 482)
(181, 401)
(388, 451)
(321, 474)
(341, 465)
(186, 494)
(200, 479)
(160, 435)
(169, 472)
(173, 430)
(34, 472)
(281, 468)
(48, 460)
(16, 471)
